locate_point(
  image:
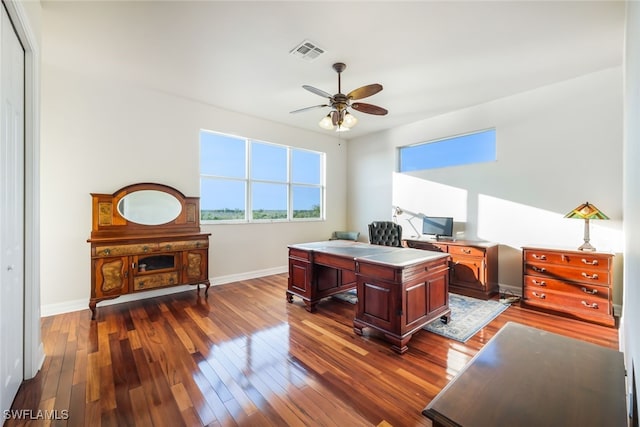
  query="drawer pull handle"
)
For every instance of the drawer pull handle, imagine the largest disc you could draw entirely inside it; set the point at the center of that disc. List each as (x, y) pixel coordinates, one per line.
(167, 247)
(589, 291)
(593, 276)
(540, 269)
(141, 284)
(537, 295)
(466, 251)
(540, 283)
(586, 304)
(145, 249)
(107, 251)
(592, 262)
(540, 257)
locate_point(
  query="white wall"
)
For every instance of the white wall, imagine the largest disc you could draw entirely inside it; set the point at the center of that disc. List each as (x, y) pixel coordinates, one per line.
(100, 134)
(630, 337)
(557, 147)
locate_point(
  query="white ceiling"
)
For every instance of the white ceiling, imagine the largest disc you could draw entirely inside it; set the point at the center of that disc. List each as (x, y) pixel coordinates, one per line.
(431, 57)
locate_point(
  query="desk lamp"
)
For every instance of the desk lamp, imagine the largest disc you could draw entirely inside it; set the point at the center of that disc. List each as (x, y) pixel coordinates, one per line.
(586, 211)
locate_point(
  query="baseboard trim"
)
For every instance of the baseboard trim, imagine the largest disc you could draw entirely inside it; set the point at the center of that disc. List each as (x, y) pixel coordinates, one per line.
(83, 304)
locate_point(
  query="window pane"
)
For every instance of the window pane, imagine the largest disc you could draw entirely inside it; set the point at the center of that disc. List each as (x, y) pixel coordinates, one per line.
(306, 202)
(269, 201)
(305, 167)
(222, 200)
(222, 155)
(268, 162)
(461, 150)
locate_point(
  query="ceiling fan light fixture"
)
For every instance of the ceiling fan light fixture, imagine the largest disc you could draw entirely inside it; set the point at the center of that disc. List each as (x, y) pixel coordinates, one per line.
(349, 120)
(326, 122)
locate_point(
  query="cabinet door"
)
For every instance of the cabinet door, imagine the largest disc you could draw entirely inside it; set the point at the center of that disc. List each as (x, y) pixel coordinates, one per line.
(112, 276)
(195, 266)
(468, 272)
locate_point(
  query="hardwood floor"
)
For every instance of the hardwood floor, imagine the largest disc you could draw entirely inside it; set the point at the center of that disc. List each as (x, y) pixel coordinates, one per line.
(244, 356)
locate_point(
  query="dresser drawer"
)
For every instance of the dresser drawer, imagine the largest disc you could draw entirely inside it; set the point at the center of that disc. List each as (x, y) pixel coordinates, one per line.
(578, 290)
(116, 250)
(149, 281)
(587, 275)
(593, 261)
(182, 245)
(589, 305)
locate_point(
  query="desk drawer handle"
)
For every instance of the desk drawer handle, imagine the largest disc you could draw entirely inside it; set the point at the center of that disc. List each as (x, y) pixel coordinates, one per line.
(540, 283)
(593, 262)
(586, 304)
(589, 291)
(593, 276)
(141, 284)
(537, 295)
(107, 251)
(540, 257)
(466, 251)
(539, 269)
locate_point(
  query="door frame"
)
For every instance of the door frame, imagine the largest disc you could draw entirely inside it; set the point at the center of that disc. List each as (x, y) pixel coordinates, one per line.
(33, 348)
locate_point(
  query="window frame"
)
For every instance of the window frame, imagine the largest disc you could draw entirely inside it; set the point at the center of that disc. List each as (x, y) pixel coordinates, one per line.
(248, 181)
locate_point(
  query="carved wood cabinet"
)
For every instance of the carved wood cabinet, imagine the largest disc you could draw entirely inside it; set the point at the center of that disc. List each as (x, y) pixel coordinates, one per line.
(145, 236)
(474, 265)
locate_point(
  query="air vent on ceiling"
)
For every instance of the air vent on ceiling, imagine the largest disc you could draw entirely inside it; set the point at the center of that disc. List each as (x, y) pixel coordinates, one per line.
(307, 50)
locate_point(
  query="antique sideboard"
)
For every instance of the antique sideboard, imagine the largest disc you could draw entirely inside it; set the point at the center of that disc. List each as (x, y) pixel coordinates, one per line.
(145, 236)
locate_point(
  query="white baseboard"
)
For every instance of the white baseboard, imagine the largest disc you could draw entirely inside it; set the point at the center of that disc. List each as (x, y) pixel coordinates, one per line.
(83, 304)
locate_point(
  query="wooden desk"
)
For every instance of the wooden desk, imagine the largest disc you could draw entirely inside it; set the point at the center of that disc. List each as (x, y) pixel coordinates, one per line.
(399, 289)
(528, 377)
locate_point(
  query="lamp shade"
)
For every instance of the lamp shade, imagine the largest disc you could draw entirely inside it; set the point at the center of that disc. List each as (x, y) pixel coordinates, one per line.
(586, 211)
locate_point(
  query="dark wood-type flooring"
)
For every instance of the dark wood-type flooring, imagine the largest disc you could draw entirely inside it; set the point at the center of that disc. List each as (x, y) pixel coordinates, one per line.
(244, 356)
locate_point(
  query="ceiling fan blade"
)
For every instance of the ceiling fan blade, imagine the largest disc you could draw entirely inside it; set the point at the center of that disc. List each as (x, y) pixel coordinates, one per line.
(369, 109)
(309, 108)
(364, 91)
(317, 91)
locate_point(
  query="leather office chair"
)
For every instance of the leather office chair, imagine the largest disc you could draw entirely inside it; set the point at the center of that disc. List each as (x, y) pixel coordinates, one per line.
(385, 233)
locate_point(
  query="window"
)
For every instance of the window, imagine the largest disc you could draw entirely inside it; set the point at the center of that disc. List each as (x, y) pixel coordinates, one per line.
(466, 149)
(244, 180)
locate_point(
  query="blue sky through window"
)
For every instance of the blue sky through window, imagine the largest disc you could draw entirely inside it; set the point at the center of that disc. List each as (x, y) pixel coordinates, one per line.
(224, 178)
(459, 150)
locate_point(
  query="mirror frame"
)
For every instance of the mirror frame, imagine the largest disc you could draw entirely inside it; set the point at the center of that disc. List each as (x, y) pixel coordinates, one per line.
(108, 222)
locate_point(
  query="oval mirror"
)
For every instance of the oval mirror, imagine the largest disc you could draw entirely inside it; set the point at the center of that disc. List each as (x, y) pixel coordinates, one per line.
(149, 207)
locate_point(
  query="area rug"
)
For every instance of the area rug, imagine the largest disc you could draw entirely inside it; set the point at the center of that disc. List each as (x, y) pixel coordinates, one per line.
(468, 315)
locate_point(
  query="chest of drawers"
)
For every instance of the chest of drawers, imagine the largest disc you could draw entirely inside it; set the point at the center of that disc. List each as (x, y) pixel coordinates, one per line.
(573, 283)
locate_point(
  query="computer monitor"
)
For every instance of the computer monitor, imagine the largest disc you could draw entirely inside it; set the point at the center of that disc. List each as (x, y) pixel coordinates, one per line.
(438, 226)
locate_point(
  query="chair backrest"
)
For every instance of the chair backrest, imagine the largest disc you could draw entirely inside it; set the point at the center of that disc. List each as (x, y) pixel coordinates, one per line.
(345, 235)
(386, 233)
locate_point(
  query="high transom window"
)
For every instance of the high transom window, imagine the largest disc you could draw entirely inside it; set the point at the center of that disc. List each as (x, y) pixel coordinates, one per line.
(477, 147)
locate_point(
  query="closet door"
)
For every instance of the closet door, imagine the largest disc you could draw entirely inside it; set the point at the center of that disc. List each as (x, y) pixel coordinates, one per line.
(11, 212)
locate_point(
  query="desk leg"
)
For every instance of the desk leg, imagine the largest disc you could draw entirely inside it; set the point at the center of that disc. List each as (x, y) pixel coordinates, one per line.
(399, 345)
(310, 306)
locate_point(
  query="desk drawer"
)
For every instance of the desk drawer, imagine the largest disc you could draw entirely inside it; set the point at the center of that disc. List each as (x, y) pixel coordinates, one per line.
(465, 251)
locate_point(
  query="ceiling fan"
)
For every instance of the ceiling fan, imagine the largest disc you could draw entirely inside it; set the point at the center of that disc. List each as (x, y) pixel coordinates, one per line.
(339, 115)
